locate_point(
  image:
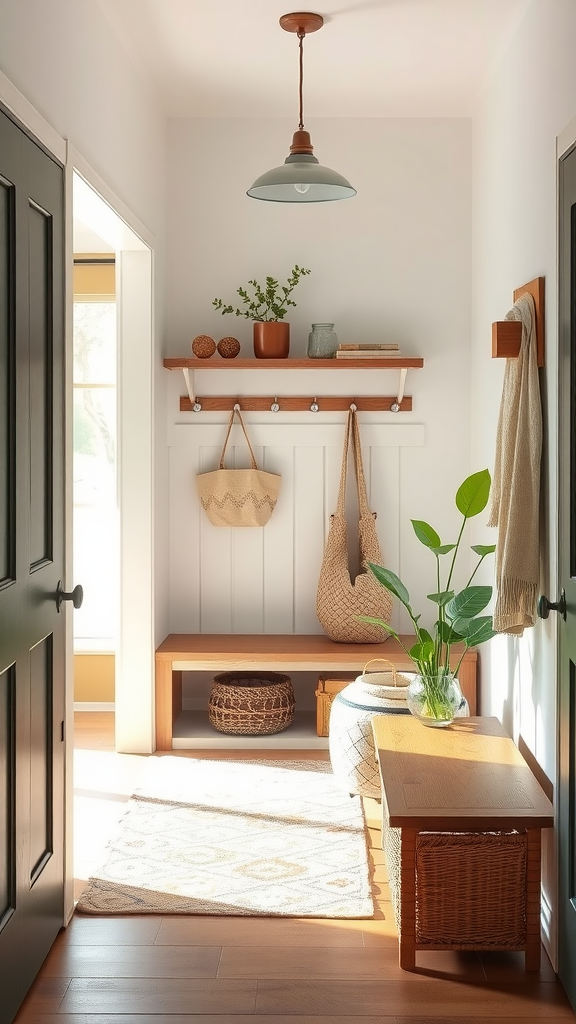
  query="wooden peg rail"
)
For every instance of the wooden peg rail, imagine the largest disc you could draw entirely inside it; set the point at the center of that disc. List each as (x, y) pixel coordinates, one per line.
(298, 403)
(507, 334)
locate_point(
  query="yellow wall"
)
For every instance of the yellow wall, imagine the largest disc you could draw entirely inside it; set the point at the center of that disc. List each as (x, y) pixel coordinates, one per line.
(94, 677)
(95, 281)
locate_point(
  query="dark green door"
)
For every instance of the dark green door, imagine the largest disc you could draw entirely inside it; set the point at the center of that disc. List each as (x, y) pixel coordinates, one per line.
(31, 560)
(567, 577)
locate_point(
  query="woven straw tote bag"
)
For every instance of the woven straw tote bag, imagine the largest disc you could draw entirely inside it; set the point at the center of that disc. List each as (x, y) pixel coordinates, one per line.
(238, 497)
(340, 599)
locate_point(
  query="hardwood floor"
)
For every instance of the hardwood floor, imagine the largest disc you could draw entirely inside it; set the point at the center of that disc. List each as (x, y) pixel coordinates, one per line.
(226, 970)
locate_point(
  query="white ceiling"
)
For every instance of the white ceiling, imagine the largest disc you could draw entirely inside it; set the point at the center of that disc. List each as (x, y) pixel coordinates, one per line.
(372, 58)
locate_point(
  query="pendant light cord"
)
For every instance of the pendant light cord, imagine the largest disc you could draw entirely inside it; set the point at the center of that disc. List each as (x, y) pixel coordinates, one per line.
(301, 79)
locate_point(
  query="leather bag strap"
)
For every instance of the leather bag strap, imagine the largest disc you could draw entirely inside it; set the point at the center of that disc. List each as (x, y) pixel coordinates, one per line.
(360, 481)
(341, 504)
(236, 412)
(353, 431)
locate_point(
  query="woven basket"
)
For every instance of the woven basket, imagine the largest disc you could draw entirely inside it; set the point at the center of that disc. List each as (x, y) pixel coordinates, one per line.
(244, 704)
(350, 737)
(470, 888)
(328, 687)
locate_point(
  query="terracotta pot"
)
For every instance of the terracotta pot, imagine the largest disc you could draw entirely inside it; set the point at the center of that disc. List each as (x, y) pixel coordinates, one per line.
(271, 339)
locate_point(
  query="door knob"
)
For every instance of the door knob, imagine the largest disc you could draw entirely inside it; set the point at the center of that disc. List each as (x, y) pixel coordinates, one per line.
(545, 606)
(76, 596)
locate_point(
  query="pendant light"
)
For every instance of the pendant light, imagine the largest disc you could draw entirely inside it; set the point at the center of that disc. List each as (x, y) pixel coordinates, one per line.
(301, 179)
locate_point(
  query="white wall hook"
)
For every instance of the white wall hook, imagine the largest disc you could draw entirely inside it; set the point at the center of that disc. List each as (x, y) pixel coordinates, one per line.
(314, 406)
(275, 407)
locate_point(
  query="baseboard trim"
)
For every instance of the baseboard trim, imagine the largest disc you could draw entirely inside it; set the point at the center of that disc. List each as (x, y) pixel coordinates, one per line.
(89, 705)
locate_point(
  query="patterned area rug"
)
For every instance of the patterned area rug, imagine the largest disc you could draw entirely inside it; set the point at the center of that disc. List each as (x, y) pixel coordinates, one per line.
(270, 838)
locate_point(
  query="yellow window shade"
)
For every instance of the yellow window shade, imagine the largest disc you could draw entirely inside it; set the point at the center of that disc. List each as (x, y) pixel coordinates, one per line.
(94, 282)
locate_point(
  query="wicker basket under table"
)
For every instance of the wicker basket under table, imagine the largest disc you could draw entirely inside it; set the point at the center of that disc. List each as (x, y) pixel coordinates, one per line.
(470, 888)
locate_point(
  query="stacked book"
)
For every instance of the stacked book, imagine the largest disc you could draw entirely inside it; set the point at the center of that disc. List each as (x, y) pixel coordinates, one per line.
(387, 350)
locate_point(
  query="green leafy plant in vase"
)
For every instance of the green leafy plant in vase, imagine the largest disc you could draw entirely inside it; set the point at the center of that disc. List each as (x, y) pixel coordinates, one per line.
(267, 306)
(434, 695)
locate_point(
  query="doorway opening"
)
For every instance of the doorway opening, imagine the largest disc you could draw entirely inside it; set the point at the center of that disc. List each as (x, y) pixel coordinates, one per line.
(112, 413)
(94, 488)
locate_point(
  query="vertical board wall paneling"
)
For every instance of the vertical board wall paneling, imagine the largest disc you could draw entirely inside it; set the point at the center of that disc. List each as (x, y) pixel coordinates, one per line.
(278, 574)
(215, 558)
(265, 579)
(383, 496)
(184, 525)
(308, 535)
(247, 558)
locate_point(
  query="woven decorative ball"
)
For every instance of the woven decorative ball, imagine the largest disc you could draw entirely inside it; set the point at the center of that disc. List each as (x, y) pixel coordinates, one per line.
(203, 346)
(245, 704)
(228, 347)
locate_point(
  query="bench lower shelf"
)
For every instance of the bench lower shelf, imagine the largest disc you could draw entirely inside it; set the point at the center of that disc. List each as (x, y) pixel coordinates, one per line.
(222, 652)
(192, 731)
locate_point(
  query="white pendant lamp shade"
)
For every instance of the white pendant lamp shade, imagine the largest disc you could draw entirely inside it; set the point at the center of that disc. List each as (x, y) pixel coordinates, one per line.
(301, 179)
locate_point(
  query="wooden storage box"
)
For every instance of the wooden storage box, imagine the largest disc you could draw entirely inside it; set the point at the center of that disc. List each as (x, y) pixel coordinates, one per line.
(328, 687)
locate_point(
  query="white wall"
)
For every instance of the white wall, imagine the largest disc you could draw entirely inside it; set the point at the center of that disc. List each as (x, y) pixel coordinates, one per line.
(390, 264)
(529, 101)
(65, 59)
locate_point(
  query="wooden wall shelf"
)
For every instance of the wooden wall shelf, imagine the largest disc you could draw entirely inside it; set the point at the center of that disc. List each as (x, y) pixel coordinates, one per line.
(507, 334)
(192, 402)
(393, 363)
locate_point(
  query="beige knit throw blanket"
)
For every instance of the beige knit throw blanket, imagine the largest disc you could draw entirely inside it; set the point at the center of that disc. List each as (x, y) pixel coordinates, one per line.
(515, 495)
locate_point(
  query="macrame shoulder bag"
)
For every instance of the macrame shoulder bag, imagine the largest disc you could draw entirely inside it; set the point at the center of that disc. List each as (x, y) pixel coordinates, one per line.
(339, 598)
(238, 497)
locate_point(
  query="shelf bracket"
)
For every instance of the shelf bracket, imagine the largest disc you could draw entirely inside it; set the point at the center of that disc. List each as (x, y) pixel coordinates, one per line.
(397, 405)
(189, 382)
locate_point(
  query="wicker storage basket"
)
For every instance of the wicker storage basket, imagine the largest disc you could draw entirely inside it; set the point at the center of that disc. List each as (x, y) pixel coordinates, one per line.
(470, 888)
(327, 690)
(245, 704)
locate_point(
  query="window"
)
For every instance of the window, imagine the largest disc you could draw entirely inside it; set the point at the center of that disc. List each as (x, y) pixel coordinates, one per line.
(95, 523)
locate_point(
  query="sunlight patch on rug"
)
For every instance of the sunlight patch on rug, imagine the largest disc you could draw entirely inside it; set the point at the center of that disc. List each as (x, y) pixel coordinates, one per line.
(270, 838)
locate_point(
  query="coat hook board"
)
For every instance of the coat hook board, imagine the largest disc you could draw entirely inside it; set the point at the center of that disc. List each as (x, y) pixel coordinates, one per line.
(507, 334)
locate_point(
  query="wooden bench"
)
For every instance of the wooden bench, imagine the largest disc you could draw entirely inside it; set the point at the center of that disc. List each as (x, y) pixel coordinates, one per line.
(470, 812)
(290, 652)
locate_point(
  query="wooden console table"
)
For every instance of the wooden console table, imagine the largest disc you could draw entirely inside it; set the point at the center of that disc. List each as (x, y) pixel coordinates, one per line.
(221, 652)
(467, 778)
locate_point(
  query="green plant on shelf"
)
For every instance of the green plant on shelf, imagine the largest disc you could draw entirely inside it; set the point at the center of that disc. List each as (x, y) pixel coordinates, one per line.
(266, 303)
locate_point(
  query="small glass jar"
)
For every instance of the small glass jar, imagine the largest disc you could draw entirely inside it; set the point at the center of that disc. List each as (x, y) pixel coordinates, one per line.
(322, 342)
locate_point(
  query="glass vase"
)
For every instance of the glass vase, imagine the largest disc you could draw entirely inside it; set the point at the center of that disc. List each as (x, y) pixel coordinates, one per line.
(436, 700)
(322, 342)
